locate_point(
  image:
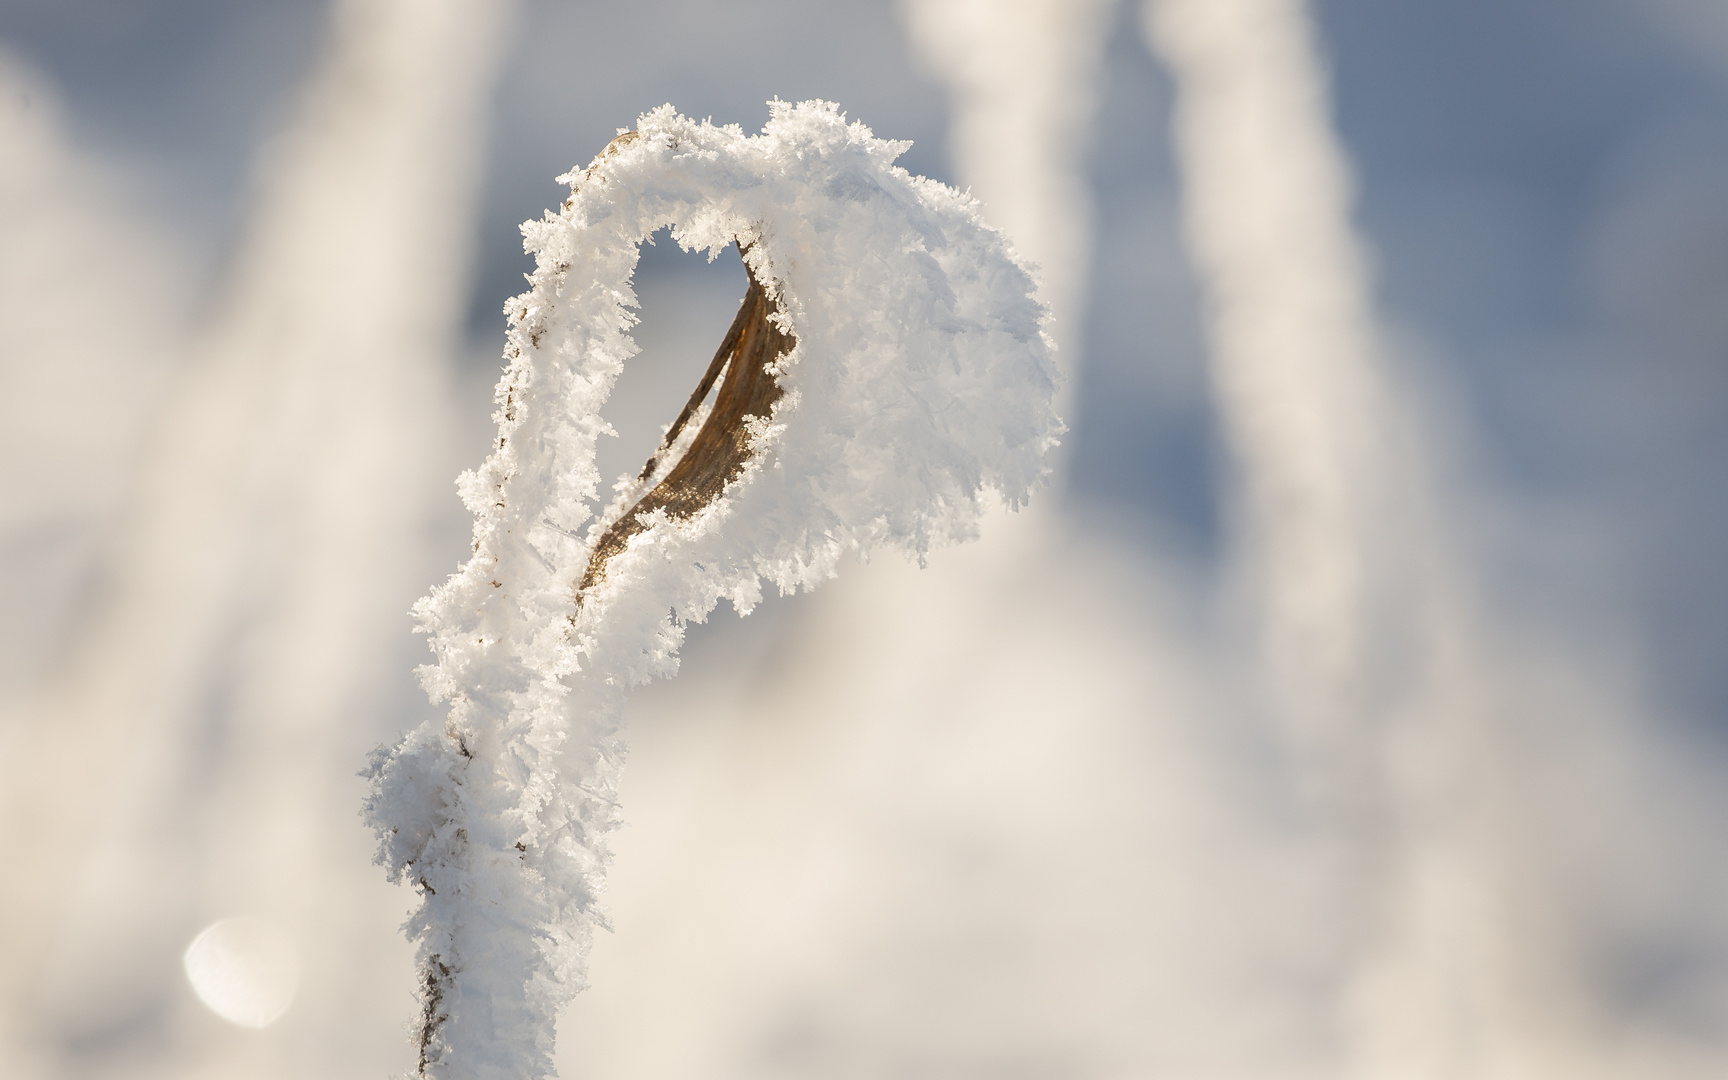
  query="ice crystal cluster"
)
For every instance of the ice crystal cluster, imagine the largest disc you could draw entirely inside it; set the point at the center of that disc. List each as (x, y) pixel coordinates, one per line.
(916, 390)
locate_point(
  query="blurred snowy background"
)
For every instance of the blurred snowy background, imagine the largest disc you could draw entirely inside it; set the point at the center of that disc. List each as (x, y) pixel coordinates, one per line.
(1354, 705)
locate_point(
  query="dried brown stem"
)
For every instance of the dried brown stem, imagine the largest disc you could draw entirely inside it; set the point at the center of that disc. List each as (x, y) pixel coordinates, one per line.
(722, 446)
(435, 978)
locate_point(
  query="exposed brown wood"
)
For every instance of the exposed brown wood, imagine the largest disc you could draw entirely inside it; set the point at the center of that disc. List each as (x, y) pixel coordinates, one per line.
(722, 446)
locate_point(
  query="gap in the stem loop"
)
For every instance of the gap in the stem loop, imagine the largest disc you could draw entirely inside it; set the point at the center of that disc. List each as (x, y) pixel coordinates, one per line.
(686, 305)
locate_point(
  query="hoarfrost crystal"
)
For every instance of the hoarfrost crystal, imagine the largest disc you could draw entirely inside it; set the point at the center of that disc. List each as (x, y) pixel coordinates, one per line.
(905, 383)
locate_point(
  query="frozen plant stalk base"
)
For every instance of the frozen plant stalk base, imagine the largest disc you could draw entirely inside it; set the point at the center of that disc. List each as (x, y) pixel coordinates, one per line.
(887, 378)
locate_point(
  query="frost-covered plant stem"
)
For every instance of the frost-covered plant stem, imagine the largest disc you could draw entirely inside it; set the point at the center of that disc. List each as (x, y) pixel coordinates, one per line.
(887, 378)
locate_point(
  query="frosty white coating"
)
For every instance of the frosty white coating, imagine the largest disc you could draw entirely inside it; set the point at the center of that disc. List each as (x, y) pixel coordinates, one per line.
(919, 390)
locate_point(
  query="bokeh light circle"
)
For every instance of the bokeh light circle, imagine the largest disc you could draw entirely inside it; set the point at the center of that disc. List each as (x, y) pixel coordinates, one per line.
(244, 969)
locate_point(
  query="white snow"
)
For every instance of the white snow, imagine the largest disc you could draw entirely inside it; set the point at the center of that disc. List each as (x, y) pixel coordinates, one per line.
(919, 392)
